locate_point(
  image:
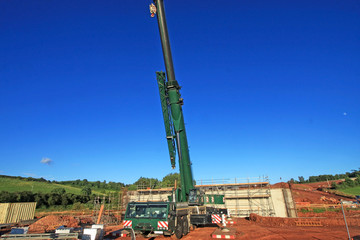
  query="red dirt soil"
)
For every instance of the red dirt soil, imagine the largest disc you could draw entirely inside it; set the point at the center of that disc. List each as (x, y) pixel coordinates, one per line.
(309, 193)
(51, 222)
(314, 196)
(264, 229)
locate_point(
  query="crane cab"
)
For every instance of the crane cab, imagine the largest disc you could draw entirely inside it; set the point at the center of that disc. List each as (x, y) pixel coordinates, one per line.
(149, 218)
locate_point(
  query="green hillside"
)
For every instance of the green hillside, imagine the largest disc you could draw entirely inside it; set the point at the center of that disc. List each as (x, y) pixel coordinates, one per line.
(352, 191)
(19, 185)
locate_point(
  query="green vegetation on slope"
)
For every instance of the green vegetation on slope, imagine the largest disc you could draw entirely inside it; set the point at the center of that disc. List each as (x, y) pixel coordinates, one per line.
(352, 190)
(41, 185)
(78, 194)
(19, 185)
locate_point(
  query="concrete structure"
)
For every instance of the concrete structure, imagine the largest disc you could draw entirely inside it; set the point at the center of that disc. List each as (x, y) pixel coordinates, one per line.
(241, 199)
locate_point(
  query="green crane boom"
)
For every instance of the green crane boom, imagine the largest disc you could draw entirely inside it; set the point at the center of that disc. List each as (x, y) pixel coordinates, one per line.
(171, 103)
(188, 204)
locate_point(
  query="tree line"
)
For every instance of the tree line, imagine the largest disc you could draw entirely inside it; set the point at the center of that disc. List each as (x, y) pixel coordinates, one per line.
(348, 183)
(141, 183)
(57, 197)
(327, 177)
(154, 183)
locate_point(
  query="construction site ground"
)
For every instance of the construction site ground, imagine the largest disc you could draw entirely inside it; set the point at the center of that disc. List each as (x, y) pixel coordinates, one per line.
(247, 229)
(325, 222)
(310, 193)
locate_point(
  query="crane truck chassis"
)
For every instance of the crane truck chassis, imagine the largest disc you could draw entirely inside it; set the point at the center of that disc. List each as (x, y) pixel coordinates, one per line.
(187, 206)
(167, 218)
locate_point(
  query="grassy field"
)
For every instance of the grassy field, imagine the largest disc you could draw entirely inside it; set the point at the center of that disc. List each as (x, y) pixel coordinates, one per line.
(352, 191)
(17, 185)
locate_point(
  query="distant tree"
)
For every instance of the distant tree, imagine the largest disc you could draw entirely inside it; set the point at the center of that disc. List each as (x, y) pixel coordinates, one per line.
(86, 191)
(25, 196)
(169, 180)
(343, 176)
(41, 200)
(349, 183)
(7, 197)
(113, 186)
(77, 206)
(314, 179)
(132, 187)
(78, 182)
(54, 199)
(301, 179)
(85, 199)
(85, 182)
(103, 184)
(76, 198)
(143, 182)
(357, 180)
(64, 200)
(59, 191)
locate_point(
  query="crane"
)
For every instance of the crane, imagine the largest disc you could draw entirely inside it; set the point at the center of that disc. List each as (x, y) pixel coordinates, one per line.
(187, 205)
(171, 103)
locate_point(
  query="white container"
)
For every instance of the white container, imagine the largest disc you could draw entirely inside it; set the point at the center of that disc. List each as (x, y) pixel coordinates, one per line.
(64, 230)
(91, 234)
(101, 226)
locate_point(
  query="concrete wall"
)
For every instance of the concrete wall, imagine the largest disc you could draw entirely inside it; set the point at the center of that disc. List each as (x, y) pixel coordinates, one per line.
(279, 202)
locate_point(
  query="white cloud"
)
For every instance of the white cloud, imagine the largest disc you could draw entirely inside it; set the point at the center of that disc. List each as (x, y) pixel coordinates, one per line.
(46, 161)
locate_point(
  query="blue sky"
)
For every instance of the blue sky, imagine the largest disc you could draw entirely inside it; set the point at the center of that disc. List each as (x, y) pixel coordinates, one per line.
(270, 88)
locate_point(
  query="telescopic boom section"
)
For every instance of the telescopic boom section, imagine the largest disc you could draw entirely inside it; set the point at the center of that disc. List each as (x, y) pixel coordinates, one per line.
(174, 102)
(165, 42)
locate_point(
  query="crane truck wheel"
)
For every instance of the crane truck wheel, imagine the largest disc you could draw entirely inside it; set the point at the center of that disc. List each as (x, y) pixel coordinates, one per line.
(185, 226)
(179, 228)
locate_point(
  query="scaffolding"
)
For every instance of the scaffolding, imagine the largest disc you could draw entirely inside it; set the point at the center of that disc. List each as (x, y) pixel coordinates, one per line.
(113, 203)
(243, 196)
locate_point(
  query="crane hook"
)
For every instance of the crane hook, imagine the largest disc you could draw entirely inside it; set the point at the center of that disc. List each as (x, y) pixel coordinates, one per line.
(152, 8)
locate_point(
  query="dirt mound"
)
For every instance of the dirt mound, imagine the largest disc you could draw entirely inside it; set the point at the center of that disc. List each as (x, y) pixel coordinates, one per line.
(324, 184)
(306, 187)
(51, 222)
(308, 196)
(280, 185)
(317, 197)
